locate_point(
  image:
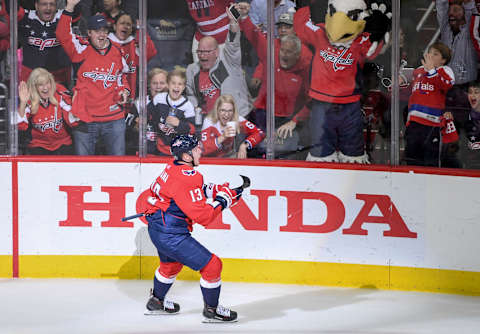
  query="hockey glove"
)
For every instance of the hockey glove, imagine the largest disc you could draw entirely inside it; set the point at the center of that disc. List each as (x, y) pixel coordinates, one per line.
(318, 8)
(226, 196)
(379, 23)
(238, 191)
(152, 206)
(211, 189)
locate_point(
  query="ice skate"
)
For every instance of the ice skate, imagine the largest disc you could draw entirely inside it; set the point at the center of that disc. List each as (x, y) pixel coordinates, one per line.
(219, 314)
(156, 306)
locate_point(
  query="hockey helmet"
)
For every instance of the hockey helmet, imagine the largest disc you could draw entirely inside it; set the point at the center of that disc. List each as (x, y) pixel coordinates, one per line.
(183, 144)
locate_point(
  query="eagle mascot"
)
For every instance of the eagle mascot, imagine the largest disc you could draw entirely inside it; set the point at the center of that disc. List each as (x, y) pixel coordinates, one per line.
(350, 33)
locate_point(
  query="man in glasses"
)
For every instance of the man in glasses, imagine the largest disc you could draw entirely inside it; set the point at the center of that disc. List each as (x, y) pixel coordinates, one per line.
(217, 72)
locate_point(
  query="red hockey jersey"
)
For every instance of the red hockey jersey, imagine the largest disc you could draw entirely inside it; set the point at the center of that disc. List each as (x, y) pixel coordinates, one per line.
(336, 71)
(178, 191)
(429, 89)
(475, 32)
(99, 76)
(131, 55)
(211, 132)
(48, 124)
(210, 18)
(291, 86)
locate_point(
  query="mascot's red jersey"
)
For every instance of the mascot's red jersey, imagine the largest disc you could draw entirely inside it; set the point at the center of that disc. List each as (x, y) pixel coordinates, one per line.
(336, 71)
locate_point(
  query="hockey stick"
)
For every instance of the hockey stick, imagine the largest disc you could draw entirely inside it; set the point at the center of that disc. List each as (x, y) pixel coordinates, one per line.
(133, 217)
(246, 184)
(246, 181)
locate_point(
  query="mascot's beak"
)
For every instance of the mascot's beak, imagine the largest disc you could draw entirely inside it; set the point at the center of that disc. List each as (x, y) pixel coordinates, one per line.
(341, 29)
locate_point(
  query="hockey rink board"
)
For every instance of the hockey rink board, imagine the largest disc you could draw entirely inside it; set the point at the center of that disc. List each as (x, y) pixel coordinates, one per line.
(6, 225)
(296, 224)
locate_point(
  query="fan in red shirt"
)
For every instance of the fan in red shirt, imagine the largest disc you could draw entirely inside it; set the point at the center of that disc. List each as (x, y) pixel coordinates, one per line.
(226, 134)
(122, 37)
(110, 9)
(100, 93)
(45, 108)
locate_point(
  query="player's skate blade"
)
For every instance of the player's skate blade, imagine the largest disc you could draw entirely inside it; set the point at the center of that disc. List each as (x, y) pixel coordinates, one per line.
(219, 314)
(156, 306)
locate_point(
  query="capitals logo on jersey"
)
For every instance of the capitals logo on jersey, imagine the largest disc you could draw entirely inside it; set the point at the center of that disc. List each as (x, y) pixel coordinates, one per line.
(131, 66)
(55, 125)
(43, 43)
(189, 172)
(423, 87)
(337, 58)
(106, 77)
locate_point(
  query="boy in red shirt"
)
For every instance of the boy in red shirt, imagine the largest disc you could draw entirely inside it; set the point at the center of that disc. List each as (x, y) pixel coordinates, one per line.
(426, 107)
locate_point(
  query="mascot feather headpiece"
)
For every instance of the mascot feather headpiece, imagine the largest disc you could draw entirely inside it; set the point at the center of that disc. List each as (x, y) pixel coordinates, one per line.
(345, 20)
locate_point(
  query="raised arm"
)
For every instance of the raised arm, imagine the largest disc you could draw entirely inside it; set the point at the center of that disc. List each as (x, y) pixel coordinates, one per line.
(232, 51)
(72, 45)
(255, 37)
(304, 27)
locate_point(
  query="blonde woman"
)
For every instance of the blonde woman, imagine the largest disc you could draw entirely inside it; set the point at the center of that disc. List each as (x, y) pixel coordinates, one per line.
(227, 134)
(45, 109)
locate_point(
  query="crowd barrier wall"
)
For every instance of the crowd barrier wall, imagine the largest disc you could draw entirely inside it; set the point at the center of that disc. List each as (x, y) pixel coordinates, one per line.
(304, 223)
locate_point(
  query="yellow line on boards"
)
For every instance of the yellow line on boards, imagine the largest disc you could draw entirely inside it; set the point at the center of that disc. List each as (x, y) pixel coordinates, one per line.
(247, 270)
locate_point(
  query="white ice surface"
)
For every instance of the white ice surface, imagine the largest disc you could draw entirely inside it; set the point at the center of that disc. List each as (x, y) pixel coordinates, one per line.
(67, 306)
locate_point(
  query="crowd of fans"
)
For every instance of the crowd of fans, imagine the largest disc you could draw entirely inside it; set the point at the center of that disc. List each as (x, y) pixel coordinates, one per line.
(207, 75)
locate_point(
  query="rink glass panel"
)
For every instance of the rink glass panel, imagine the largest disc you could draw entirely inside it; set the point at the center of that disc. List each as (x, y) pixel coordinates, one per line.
(172, 30)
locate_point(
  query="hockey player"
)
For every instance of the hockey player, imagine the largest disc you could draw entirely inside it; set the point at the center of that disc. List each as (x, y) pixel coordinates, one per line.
(177, 201)
(426, 107)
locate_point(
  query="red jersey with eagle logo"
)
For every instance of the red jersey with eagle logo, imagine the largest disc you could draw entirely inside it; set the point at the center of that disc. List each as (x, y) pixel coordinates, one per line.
(99, 76)
(48, 123)
(178, 191)
(336, 71)
(131, 55)
(211, 131)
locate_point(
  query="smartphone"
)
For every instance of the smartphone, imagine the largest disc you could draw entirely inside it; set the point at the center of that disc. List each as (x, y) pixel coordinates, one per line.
(408, 73)
(234, 12)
